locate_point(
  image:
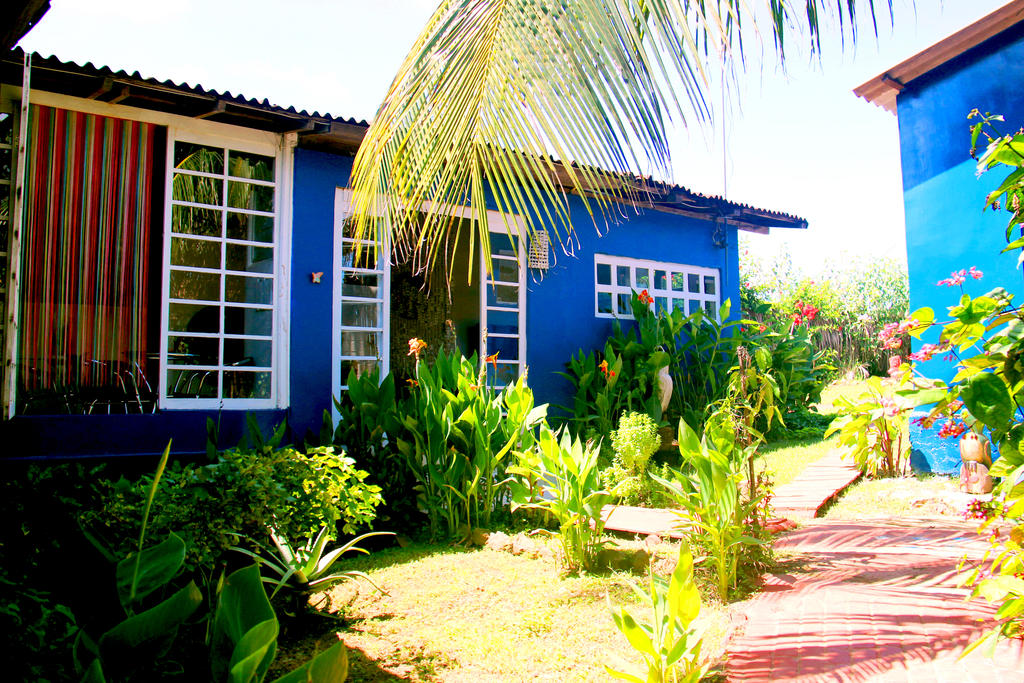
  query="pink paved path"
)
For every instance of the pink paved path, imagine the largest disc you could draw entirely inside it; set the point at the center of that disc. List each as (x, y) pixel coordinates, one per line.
(870, 601)
(822, 481)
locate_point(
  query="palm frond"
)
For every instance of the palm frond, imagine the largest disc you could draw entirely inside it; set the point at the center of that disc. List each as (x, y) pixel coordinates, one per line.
(516, 104)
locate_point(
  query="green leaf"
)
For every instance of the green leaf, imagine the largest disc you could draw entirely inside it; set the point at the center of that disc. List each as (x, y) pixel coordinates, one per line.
(243, 638)
(137, 577)
(986, 397)
(634, 634)
(150, 631)
(328, 666)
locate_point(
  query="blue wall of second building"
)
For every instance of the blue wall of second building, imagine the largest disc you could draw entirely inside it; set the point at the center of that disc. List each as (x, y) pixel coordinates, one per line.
(317, 177)
(947, 227)
(560, 313)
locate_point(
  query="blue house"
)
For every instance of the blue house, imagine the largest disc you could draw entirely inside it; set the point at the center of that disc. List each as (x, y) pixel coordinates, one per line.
(176, 254)
(931, 93)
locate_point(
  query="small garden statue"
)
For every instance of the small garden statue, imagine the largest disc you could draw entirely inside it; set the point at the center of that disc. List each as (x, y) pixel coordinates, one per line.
(975, 452)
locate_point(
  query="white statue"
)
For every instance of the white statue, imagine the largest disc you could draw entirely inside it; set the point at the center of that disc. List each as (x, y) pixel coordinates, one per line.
(664, 387)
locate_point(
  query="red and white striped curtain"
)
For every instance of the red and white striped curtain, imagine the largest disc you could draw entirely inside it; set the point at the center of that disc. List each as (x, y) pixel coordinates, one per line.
(85, 249)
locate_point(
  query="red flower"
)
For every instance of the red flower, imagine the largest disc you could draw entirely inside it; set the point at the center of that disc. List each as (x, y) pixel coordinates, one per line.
(645, 298)
(493, 360)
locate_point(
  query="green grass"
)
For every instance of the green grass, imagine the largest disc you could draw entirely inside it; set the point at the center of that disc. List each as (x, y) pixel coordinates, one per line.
(920, 496)
(786, 460)
(481, 614)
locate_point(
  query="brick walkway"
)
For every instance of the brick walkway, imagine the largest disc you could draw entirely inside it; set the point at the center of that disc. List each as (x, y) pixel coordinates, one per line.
(870, 601)
(821, 482)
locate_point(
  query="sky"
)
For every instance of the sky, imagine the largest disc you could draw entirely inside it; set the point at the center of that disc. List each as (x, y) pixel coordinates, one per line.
(796, 141)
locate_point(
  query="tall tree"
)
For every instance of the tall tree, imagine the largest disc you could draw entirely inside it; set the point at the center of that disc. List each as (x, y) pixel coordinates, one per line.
(496, 93)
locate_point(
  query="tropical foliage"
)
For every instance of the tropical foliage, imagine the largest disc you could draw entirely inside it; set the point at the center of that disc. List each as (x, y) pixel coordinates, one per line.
(670, 644)
(492, 93)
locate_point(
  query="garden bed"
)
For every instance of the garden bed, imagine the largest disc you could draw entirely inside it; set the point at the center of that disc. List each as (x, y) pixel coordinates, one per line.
(456, 614)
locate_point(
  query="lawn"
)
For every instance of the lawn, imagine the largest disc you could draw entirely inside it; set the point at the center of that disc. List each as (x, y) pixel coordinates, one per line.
(916, 496)
(785, 460)
(456, 614)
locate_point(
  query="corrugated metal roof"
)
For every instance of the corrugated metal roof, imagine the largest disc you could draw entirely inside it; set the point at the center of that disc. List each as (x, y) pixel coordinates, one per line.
(316, 130)
(883, 89)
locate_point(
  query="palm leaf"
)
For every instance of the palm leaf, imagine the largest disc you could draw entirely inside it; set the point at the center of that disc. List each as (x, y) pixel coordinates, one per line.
(494, 91)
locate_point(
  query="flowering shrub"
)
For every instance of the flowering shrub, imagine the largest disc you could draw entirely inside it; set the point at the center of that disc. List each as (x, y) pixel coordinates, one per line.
(871, 431)
(852, 300)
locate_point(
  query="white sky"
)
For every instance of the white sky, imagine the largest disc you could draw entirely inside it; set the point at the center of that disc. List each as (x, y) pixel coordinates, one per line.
(799, 142)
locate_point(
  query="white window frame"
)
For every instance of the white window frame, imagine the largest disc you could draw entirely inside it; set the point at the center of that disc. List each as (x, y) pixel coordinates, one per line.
(655, 292)
(281, 152)
(342, 210)
(496, 226)
(497, 223)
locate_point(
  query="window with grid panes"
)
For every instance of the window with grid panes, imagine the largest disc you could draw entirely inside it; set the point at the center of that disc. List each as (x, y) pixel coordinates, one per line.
(672, 286)
(219, 260)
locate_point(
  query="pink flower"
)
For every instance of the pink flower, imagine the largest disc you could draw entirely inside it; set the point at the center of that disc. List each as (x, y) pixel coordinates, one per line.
(927, 351)
(952, 428)
(975, 273)
(955, 279)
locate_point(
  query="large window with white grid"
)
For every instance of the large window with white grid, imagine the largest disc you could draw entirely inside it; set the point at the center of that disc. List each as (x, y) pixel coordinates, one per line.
(221, 281)
(671, 286)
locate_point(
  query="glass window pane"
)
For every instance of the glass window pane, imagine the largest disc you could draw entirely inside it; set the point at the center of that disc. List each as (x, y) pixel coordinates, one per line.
(506, 374)
(197, 189)
(623, 307)
(693, 283)
(360, 284)
(248, 321)
(250, 259)
(504, 271)
(709, 284)
(192, 383)
(195, 253)
(359, 315)
(502, 295)
(248, 352)
(660, 279)
(246, 384)
(678, 282)
(245, 226)
(362, 367)
(604, 302)
(248, 290)
(193, 221)
(249, 196)
(253, 166)
(193, 318)
(197, 286)
(5, 163)
(505, 322)
(710, 308)
(643, 277)
(660, 304)
(622, 276)
(365, 259)
(193, 157)
(6, 128)
(360, 343)
(193, 351)
(694, 306)
(679, 305)
(604, 274)
(506, 347)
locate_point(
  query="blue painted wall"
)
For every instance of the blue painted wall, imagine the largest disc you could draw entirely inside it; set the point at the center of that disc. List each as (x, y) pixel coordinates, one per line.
(947, 230)
(317, 177)
(560, 317)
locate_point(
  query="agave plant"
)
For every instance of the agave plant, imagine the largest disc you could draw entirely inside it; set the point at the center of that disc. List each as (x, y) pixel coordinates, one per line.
(307, 570)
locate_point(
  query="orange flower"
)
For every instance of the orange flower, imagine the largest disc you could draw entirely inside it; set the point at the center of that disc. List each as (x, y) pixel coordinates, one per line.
(645, 298)
(416, 345)
(603, 367)
(493, 360)
(412, 383)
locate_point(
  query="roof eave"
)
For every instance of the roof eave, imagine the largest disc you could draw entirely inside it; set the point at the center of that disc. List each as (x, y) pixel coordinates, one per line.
(883, 89)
